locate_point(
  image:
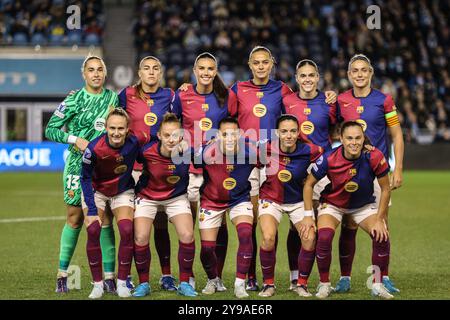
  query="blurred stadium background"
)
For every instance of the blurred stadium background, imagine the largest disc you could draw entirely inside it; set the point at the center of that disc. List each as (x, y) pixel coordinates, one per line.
(41, 55)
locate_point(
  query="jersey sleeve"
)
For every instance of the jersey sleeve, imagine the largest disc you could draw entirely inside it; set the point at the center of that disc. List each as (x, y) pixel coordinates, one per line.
(115, 100)
(390, 112)
(316, 151)
(319, 168)
(62, 115)
(123, 98)
(232, 100)
(175, 105)
(87, 168)
(378, 163)
(285, 90)
(332, 114)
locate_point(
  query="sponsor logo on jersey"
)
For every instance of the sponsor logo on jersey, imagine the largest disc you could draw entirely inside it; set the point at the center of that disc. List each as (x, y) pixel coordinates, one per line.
(307, 127)
(205, 124)
(307, 111)
(190, 102)
(99, 124)
(120, 169)
(352, 172)
(259, 110)
(360, 109)
(260, 94)
(150, 119)
(351, 186)
(173, 179)
(205, 107)
(284, 175)
(150, 102)
(229, 183)
(230, 167)
(363, 123)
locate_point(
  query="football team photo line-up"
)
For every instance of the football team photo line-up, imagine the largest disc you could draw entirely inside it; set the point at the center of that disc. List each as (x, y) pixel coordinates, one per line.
(257, 150)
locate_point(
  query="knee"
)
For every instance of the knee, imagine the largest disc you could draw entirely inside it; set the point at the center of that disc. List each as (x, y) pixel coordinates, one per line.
(75, 218)
(141, 239)
(93, 230)
(186, 236)
(309, 245)
(126, 229)
(268, 241)
(325, 236)
(244, 231)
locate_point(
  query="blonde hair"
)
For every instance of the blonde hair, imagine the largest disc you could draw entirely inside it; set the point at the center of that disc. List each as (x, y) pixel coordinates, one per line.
(91, 57)
(361, 57)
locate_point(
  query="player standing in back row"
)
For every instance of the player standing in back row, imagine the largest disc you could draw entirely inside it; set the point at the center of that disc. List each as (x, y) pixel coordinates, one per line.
(83, 113)
(376, 112)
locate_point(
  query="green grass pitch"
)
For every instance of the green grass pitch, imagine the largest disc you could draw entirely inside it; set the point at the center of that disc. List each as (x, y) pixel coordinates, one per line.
(420, 244)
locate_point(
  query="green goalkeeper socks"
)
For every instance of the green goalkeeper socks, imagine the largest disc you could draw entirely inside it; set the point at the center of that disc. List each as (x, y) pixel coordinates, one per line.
(108, 245)
(69, 239)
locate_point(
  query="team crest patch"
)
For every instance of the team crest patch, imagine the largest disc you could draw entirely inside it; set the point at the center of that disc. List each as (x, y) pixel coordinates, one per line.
(259, 110)
(119, 158)
(265, 205)
(150, 119)
(286, 160)
(307, 127)
(205, 107)
(260, 94)
(171, 167)
(99, 124)
(150, 102)
(284, 175)
(351, 186)
(229, 184)
(173, 179)
(360, 109)
(120, 169)
(230, 167)
(71, 193)
(307, 111)
(205, 124)
(323, 206)
(352, 172)
(363, 123)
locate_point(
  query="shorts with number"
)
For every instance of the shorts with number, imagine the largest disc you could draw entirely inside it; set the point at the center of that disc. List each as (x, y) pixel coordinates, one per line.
(195, 182)
(377, 192)
(257, 178)
(148, 208)
(213, 219)
(358, 215)
(295, 211)
(124, 199)
(71, 179)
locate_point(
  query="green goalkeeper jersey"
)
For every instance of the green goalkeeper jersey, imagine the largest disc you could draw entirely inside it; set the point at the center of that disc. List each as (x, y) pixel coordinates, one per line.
(83, 114)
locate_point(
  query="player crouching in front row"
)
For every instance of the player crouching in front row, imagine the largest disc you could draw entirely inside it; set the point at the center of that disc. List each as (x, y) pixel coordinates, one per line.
(106, 178)
(351, 172)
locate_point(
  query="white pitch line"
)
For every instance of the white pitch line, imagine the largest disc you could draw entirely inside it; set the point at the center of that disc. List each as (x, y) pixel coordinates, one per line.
(32, 219)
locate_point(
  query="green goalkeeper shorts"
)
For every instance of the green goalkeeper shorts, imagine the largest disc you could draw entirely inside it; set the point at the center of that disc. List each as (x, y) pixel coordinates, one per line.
(71, 179)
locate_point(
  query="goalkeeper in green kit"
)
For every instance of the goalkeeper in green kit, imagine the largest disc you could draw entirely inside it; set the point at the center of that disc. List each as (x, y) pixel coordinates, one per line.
(83, 115)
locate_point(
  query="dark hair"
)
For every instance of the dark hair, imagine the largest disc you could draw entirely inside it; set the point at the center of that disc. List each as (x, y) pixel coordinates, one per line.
(287, 117)
(169, 117)
(219, 88)
(354, 123)
(228, 120)
(305, 62)
(140, 94)
(118, 112)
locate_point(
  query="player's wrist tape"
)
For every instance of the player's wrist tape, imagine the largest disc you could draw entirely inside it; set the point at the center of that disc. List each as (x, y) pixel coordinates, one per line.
(72, 139)
(309, 213)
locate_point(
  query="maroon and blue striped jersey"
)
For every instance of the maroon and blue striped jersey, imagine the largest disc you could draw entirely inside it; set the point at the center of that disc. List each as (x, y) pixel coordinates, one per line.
(315, 118)
(351, 185)
(286, 172)
(107, 169)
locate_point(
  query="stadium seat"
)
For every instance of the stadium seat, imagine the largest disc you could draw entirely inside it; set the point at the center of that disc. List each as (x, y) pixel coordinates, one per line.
(38, 39)
(74, 37)
(56, 40)
(92, 40)
(20, 39)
